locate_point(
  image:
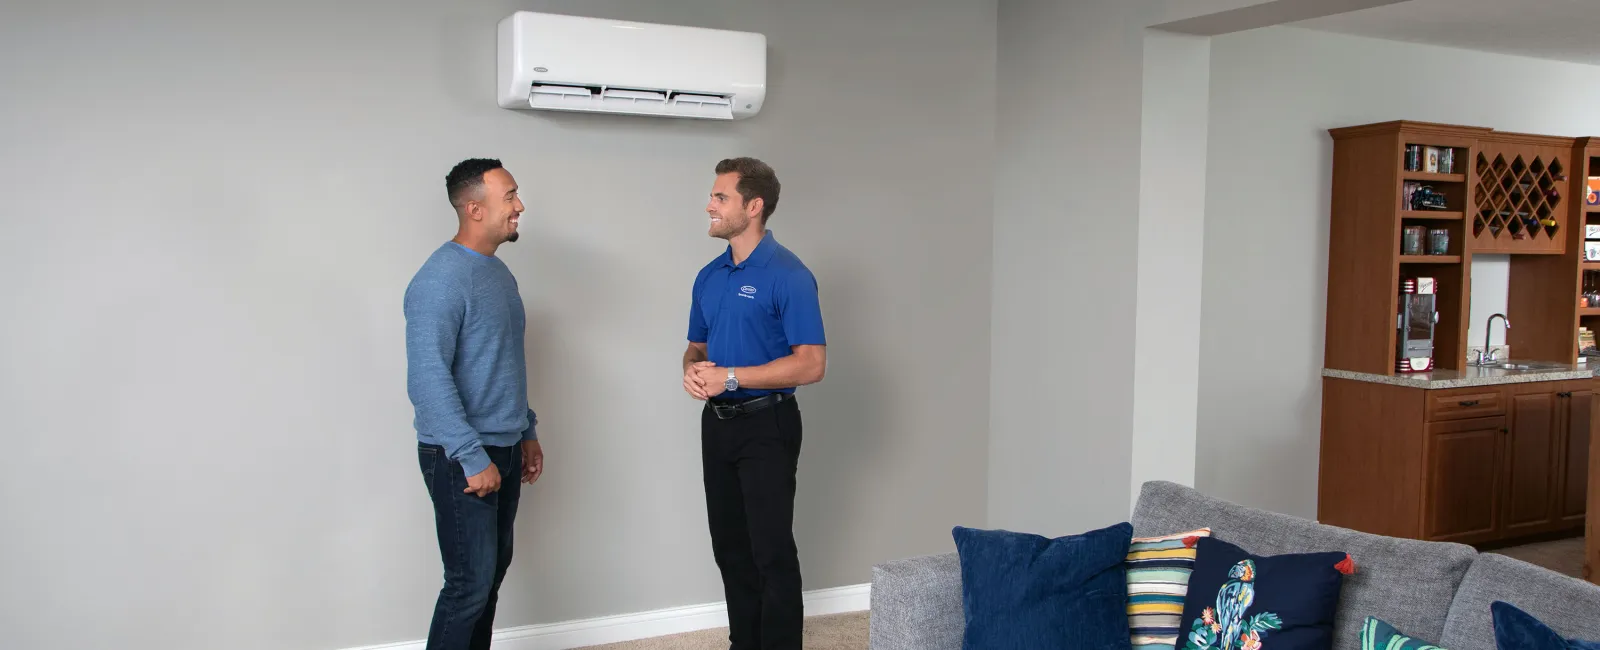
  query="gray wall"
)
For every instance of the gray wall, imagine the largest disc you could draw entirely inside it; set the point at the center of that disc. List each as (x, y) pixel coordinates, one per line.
(1171, 224)
(1095, 371)
(1065, 238)
(1274, 94)
(212, 210)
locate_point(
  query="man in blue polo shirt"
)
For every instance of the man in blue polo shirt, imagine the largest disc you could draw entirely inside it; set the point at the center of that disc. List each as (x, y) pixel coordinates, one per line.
(755, 333)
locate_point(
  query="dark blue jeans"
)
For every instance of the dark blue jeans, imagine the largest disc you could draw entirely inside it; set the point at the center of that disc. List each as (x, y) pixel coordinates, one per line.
(474, 543)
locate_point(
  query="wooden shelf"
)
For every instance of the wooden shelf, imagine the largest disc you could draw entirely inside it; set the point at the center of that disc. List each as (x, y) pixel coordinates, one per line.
(1368, 220)
(1437, 178)
(1435, 215)
(1589, 311)
(1591, 266)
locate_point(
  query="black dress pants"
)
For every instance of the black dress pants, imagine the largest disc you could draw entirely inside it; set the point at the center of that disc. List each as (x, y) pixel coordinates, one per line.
(749, 465)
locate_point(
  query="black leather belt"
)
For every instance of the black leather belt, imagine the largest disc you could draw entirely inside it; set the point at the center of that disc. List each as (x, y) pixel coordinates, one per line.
(728, 411)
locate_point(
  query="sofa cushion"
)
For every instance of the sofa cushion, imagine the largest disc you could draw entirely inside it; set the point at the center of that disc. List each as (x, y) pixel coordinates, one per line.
(1515, 629)
(1377, 634)
(1408, 583)
(1240, 600)
(1021, 590)
(1568, 605)
(1158, 579)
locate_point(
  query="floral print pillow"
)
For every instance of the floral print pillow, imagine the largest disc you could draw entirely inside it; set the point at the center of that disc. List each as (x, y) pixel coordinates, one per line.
(1240, 601)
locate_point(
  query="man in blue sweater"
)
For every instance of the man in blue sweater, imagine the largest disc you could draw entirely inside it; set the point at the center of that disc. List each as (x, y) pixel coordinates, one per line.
(467, 379)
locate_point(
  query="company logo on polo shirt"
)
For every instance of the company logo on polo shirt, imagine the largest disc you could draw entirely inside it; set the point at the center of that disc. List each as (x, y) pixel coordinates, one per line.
(747, 291)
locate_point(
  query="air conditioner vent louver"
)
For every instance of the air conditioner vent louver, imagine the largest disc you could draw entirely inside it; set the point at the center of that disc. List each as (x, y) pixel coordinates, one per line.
(629, 101)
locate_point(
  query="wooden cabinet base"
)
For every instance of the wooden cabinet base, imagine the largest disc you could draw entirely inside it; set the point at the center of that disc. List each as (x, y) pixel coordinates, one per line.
(1591, 567)
(1481, 465)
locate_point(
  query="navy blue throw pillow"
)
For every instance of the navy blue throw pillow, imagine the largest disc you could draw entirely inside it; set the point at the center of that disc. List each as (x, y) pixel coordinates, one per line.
(1021, 590)
(1241, 601)
(1515, 629)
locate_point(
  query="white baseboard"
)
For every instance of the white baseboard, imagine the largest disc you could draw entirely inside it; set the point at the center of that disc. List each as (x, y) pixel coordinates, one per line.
(643, 625)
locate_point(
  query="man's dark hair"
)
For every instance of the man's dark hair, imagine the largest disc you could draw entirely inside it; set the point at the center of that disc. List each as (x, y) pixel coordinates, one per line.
(756, 181)
(467, 177)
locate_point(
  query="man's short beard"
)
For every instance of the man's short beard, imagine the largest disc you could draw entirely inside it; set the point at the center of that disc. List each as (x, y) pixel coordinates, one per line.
(513, 236)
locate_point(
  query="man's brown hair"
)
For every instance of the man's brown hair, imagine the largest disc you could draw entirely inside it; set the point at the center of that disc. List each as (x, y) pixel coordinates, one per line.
(756, 181)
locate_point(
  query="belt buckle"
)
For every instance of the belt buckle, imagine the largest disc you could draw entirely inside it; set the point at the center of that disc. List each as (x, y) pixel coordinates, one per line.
(725, 411)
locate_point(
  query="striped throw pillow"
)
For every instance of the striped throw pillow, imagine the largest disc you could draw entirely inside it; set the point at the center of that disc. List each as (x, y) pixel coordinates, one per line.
(1158, 579)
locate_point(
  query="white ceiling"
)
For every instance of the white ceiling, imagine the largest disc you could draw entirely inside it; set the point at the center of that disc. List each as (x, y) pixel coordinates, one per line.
(1563, 30)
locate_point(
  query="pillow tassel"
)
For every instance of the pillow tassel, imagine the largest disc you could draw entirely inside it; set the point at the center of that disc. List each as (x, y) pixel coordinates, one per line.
(1346, 566)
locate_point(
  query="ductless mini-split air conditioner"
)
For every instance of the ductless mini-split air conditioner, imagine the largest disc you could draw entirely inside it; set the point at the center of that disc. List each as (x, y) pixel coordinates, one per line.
(595, 65)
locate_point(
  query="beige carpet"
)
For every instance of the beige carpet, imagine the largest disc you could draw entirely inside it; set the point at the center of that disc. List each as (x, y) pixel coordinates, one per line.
(1561, 556)
(836, 632)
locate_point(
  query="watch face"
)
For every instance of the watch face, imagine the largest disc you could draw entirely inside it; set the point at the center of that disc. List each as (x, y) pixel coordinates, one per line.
(731, 384)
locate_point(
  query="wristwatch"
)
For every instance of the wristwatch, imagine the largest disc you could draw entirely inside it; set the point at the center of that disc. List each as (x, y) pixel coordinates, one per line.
(733, 382)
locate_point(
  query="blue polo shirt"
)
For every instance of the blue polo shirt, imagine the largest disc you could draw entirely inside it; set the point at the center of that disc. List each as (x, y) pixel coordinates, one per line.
(749, 314)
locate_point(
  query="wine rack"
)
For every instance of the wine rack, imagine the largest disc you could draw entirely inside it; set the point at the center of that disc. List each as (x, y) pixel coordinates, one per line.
(1519, 194)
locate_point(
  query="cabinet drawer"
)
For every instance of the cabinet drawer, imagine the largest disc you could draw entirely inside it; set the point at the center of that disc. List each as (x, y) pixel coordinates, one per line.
(1462, 403)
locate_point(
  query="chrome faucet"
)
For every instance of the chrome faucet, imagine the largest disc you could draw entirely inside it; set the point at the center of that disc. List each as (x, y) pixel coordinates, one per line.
(1486, 355)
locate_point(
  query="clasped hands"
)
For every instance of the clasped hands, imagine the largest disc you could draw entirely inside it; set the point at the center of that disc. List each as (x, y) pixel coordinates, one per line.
(704, 380)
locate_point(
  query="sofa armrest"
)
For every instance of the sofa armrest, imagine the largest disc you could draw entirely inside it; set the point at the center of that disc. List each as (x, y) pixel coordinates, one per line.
(916, 604)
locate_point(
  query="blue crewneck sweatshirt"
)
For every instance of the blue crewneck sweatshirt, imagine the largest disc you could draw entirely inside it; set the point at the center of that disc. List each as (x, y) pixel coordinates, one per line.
(466, 371)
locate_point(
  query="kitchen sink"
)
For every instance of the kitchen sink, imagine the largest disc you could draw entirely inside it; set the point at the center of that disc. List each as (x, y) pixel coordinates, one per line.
(1525, 365)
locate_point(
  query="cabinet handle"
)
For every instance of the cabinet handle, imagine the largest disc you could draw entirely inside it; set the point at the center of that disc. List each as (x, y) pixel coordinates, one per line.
(1469, 402)
(1504, 430)
(1564, 394)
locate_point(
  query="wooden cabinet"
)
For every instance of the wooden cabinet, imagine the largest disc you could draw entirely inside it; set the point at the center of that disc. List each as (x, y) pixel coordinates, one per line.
(1573, 483)
(1463, 502)
(1501, 460)
(1591, 546)
(1472, 465)
(1369, 214)
(1528, 471)
(1486, 191)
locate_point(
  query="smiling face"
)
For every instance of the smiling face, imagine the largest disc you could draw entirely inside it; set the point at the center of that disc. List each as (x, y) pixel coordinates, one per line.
(729, 212)
(500, 208)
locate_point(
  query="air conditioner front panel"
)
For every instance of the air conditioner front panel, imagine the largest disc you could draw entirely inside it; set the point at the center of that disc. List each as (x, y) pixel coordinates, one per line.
(697, 65)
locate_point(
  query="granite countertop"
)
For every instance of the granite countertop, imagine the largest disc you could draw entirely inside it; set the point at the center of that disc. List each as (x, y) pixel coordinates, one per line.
(1474, 375)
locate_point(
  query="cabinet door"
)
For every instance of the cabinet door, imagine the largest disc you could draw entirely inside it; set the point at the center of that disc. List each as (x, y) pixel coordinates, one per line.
(1574, 459)
(1530, 457)
(1463, 494)
(1591, 543)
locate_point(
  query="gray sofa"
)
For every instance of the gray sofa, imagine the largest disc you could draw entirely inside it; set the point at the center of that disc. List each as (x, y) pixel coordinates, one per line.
(1433, 591)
